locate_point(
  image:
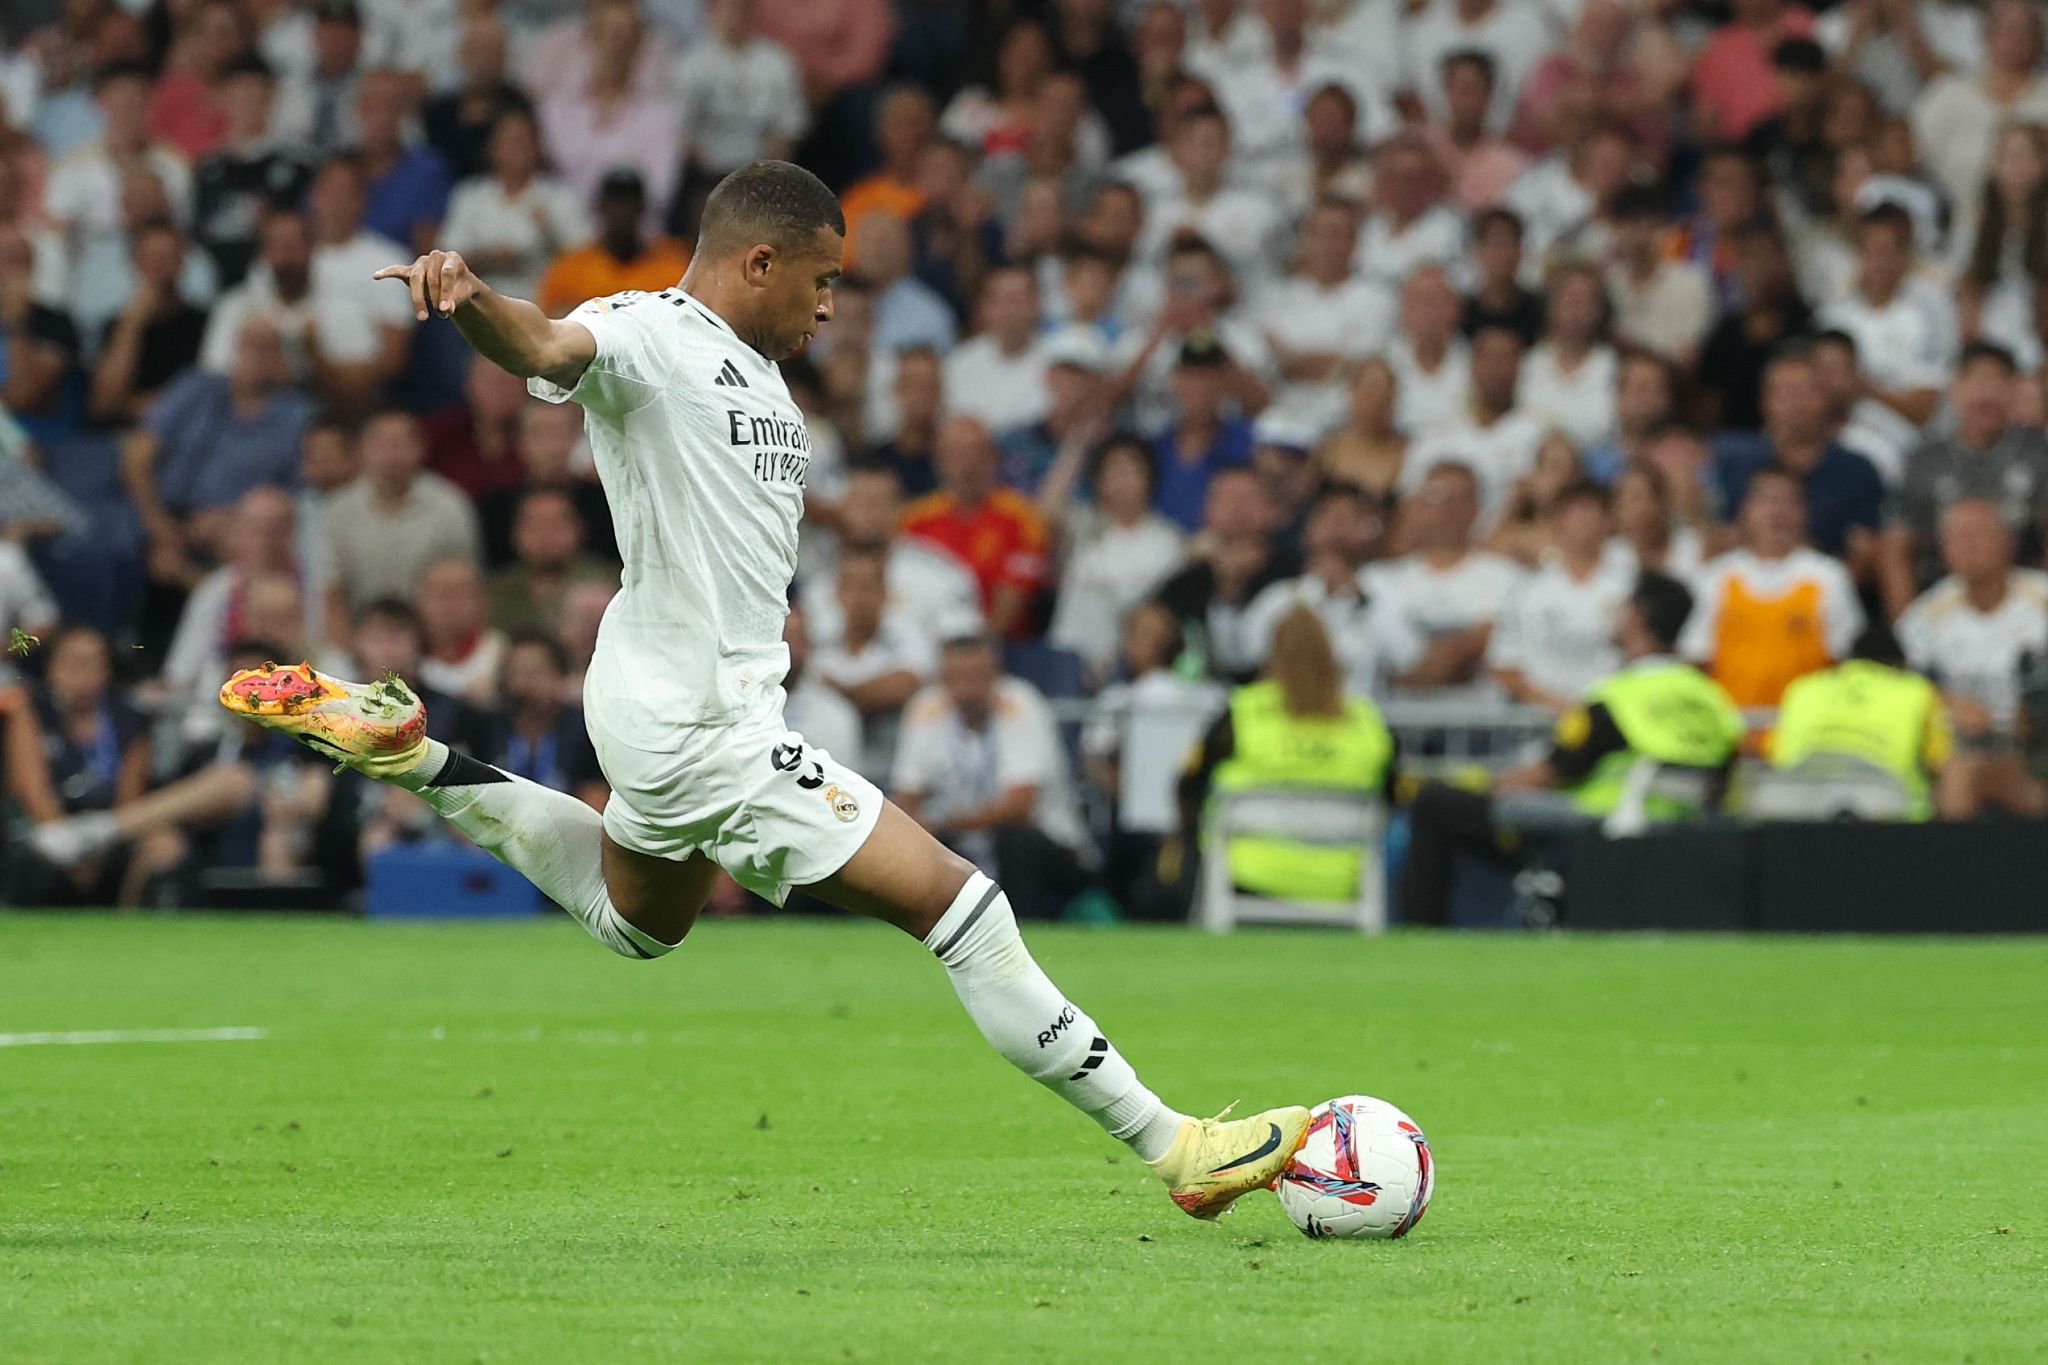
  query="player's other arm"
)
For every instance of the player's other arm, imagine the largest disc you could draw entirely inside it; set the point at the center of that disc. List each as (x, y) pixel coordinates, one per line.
(511, 333)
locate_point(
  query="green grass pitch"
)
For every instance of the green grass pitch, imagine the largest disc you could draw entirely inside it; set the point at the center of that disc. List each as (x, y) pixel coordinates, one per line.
(501, 1143)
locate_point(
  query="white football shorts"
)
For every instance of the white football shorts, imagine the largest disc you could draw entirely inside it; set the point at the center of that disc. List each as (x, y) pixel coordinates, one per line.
(772, 810)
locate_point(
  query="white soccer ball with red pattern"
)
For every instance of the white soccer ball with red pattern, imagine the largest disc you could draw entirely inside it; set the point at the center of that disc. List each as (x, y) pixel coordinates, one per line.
(1365, 1171)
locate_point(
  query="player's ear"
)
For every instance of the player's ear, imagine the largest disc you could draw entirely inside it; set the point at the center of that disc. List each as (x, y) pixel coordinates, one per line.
(756, 264)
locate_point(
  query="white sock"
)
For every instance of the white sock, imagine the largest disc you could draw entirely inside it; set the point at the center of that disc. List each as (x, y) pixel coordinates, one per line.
(1026, 1018)
(556, 841)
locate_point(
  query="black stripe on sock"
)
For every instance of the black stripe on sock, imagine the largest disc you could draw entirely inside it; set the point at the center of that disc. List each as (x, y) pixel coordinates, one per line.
(463, 771)
(638, 951)
(960, 933)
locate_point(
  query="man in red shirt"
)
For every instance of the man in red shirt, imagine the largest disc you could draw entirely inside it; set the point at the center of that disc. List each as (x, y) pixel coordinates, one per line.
(1733, 87)
(993, 530)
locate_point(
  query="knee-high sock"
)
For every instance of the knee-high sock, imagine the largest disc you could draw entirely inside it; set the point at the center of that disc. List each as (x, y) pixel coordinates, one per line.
(556, 841)
(1036, 1028)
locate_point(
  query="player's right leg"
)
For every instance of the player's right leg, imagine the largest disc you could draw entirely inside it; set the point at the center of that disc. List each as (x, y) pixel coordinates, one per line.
(556, 841)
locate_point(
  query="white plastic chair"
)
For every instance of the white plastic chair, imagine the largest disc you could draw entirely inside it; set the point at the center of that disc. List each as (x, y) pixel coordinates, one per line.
(1336, 819)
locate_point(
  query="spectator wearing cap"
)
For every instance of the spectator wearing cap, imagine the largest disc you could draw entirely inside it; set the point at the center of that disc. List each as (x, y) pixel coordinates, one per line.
(1496, 438)
(993, 530)
(1843, 495)
(1283, 446)
(1117, 551)
(622, 256)
(316, 108)
(998, 375)
(1046, 457)
(1661, 304)
(1239, 223)
(510, 221)
(1203, 437)
(1324, 316)
(1409, 225)
(1498, 295)
(1431, 362)
(603, 122)
(1904, 328)
(248, 175)
(1731, 77)
(459, 122)
(1990, 455)
(406, 184)
(1480, 163)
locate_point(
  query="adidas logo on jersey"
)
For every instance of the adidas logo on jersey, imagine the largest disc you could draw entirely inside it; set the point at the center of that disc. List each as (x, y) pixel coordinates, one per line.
(729, 376)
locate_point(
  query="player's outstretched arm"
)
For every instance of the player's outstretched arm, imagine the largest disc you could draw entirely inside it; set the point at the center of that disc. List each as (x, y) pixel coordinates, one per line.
(511, 333)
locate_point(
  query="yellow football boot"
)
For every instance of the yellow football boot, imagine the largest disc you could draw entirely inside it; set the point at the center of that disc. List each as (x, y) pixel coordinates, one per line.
(1213, 1161)
(377, 728)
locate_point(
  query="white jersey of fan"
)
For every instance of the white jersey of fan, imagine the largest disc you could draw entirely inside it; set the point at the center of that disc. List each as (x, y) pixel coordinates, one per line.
(703, 454)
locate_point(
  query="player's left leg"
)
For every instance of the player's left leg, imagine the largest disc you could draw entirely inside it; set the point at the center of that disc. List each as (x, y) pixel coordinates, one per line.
(904, 876)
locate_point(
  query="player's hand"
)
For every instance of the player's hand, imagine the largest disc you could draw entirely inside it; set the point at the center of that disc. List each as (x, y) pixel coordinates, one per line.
(441, 282)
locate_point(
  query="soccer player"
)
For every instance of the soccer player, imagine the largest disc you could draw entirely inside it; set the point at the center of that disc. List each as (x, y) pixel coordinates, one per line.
(703, 454)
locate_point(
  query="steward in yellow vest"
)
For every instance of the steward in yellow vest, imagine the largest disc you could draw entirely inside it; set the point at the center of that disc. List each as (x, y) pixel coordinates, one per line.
(1869, 708)
(1294, 729)
(1656, 707)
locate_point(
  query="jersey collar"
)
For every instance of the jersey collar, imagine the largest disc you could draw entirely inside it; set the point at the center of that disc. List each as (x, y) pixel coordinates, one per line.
(716, 321)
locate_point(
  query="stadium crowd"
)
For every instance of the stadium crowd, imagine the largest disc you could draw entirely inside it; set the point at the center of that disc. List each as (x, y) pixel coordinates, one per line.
(1161, 317)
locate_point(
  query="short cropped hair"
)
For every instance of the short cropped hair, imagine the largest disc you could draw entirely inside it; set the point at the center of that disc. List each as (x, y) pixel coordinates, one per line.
(1663, 603)
(775, 202)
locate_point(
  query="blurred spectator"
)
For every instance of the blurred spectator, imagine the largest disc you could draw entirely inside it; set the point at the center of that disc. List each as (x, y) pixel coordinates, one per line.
(1410, 225)
(339, 337)
(981, 766)
(622, 256)
(1372, 644)
(257, 543)
(1480, 163)
(1646, 529)
(1843, 495)
(1732, 362)
(406, 182)
(1282, 446)
(463, 649)
(599, 121)
(813, 708)
(264, 603)
(156, 337)
(184, 107)
(1493, 437)
(1774, 609)
(1498, 297)
(1432, 367)
(1510, 36)
(513, 219)
(1322, 316)
(1569, 376)
(247, 176)
(1235, 560)
(1663, 305)
(549, 558)
(1792, 144)
(95, 743)
(345, 255)
(1905, 330)
(2001, 242)
(1896, 47)
(316, 109)
(920, 393)
(384, 529)
(1645, 401)
(1732, 89)
(1870, 710)
(1957, 114)
(532, 733)
(998, 375)
(878, 655)
(1730, 193)
(567, 53)
(904, 124)
(930, 584)
(994, 531)
(1203, 439)
(1116, 553)
(1555, 639)
(1367, 450)
(1989, 456)
(460, 123)
(1617, 61)
(908, 312)
(741, 94)
(1237, 222)
(1526, 530)
(84, 193)
(1861, 423)
(549, 440)
(1979, 634)
(1566, 200)
(1045, 457)
(1200, 304)
(475, 444)
(210, 439)
(1445, 591)
(836, 46)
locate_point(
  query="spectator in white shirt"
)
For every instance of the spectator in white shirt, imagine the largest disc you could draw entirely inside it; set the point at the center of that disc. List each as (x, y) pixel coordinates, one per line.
(1569, 378)
(1515, 36)
(877, 656)
(741, 93)
(1410, 225)
(1957, 115)
(1556, 638)
(981, 765)
(510, 223)
(1904, 329)
(1118, 551)
(1648, 537)
(1445, 590)
(1372, 642)
(1663, 305)
(1241, 224)
(1323, 316)
(345, 254)
(1495, 438)
(811, 706)
(925, 584)
(1265, 96)
(1432, 366)
(1974, 633)
(997, 376)
(1565, 200)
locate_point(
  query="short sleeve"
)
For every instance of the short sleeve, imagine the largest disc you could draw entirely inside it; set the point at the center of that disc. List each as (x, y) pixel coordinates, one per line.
(920, 752)
(624, 374)
(1027, 753)
(1842, 612)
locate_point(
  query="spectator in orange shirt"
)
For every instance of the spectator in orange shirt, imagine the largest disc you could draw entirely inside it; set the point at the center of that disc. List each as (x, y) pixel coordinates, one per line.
(621, 257)
(904, 124)
(993, 530)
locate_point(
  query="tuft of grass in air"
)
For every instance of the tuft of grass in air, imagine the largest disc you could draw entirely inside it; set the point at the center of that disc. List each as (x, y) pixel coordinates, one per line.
(20, 643)
(785, 1142)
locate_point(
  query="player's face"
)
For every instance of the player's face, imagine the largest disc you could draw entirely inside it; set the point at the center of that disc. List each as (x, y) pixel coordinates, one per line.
(800, 300)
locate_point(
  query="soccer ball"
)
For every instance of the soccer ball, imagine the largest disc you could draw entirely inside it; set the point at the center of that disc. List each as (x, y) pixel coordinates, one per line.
(1365, 1171)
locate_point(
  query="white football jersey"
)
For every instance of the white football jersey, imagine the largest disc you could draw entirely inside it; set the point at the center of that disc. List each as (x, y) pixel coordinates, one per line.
(703, 454)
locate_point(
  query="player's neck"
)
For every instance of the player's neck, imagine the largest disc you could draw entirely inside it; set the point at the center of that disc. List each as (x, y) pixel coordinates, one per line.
(722, 299)
(1986, 591)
